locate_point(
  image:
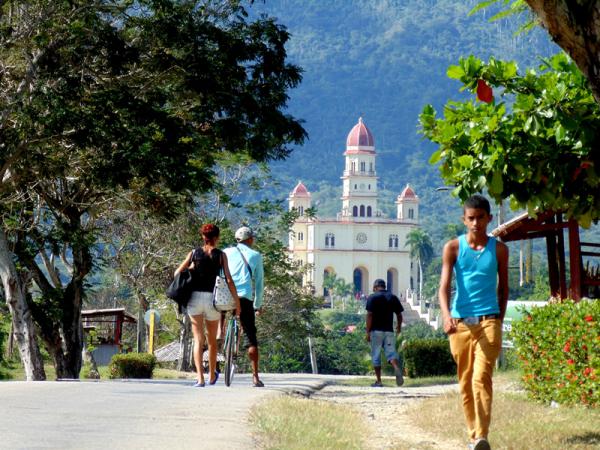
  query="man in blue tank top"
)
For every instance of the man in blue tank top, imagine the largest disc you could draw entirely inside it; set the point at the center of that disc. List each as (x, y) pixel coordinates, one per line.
(473, 320)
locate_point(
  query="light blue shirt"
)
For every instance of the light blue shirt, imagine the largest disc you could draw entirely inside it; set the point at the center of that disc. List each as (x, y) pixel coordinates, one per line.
(241, 275)
(476, 274)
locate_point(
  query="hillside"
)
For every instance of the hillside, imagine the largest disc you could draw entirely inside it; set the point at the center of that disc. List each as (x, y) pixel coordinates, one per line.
(383, 60)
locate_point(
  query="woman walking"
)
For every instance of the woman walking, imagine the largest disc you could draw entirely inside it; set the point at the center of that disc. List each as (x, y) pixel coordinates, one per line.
(206, 263)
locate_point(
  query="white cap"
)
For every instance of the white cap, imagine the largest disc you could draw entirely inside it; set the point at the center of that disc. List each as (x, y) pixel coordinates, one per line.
(243, 234)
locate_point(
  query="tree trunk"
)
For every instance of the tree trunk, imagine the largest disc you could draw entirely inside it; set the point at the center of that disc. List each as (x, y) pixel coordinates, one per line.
(141, 324)
(575, 27)
(185, 352)
(22, 321)
(420, 280)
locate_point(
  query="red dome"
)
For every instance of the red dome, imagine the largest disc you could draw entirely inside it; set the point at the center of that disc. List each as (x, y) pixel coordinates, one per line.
(360, 136)
(407, 194)
(300, 191)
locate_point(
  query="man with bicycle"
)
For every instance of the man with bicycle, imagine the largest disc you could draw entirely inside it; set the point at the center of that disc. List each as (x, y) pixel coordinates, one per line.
(246, 268)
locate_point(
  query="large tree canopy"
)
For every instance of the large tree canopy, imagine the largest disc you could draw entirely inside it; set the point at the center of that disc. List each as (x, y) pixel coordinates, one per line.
(129, 98)
(536, 144)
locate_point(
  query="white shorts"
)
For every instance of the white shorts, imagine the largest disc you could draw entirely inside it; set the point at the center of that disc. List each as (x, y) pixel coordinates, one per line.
(201, 303)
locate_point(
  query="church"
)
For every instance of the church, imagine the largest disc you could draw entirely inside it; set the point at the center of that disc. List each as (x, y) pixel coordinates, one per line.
(360, 244)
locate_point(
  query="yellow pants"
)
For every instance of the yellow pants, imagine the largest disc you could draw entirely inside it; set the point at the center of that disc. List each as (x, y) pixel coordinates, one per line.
(475, 349)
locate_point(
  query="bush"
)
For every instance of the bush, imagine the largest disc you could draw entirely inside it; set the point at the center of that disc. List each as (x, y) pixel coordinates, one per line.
(132, 365)
(428, 357)
(343, 353)
(558, 346)
(420, 330)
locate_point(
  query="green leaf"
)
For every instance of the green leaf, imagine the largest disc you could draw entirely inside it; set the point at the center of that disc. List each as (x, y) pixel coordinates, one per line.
(497, 185)
(455, 72)
(465, 161)
(559, 133)
(482, 5)
(437, 155)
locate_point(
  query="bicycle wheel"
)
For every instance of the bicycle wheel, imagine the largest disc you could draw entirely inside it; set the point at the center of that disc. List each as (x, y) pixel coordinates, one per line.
(231, 338)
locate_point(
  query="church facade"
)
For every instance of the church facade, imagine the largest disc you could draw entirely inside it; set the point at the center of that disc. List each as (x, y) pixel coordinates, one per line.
(360, 244)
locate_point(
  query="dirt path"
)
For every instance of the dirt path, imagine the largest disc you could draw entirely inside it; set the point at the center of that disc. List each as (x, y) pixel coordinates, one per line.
(386, 413)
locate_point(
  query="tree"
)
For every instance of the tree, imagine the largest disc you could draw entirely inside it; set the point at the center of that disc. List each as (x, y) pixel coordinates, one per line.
(535, 144)
(574, 26)
(337, 287)
(421, 250)
(114, 98)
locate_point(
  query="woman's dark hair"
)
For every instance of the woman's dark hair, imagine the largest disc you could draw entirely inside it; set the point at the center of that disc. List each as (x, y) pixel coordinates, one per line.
(210, 233)
(477, 202)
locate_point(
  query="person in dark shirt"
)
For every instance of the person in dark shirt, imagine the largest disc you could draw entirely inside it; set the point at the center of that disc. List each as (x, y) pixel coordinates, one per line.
(206, 263)
(381, 307)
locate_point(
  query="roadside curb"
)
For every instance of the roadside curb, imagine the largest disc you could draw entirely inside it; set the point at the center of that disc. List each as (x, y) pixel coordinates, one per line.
(306, 391)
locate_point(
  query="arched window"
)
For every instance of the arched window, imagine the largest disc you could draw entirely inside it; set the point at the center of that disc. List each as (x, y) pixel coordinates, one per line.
(370, 167)
(329, 240)
(301, 210)
(353, 166)
(369, 211)
(355, 187)
(362, 210)
(393, 241)
(355, 211)
(411, 213)
(363, 166)
(325, 290)
(300, 236)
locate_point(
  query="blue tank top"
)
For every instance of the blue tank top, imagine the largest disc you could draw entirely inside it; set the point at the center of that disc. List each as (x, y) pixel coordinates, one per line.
(476, 275)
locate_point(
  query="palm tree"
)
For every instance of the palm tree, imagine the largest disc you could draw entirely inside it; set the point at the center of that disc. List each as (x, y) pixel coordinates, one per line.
(420, 250)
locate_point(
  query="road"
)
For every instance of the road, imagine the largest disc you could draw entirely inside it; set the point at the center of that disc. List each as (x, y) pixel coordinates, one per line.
(146, 414)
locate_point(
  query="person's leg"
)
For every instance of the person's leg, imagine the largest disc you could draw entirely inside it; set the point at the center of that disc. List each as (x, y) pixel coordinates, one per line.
(376, 344)
(253, 355)
(212, 327)
(462, 349)
(391, 355)
(377, 373)
(487, 349)
(198, 332)
(248, 321)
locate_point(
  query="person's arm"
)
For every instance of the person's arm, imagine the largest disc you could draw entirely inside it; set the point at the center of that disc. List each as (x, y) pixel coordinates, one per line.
(502, 257)
(231, 284)
(398, 322)
(449, 256)
(259, 283)
(369, 325)
(185, 264)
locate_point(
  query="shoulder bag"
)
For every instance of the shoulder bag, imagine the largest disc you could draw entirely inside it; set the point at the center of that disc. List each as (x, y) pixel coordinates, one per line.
(222, 298)
(180, 289)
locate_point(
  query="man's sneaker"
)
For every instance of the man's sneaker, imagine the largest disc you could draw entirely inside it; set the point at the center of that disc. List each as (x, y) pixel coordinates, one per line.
(399, 377)
(377, 384)
(481, 444)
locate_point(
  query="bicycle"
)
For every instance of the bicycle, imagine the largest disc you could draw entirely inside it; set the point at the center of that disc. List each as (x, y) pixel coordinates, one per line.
(231, 345)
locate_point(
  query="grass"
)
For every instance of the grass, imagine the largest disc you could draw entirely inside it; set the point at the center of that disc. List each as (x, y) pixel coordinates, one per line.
(295, 423)
(391, 381)
(517, 422)
(15, 371)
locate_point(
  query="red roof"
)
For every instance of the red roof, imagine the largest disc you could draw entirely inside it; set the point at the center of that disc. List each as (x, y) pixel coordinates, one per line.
(407, 193)
(360, 136)
(300, 191)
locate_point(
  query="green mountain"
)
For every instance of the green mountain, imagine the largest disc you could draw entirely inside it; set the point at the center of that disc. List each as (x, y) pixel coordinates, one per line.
(383, 60)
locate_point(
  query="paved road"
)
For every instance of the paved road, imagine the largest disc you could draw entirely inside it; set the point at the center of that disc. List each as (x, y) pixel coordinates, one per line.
(161, 414)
